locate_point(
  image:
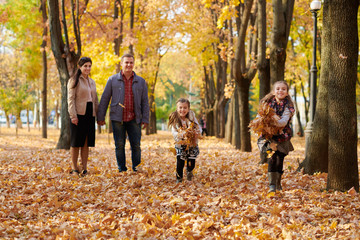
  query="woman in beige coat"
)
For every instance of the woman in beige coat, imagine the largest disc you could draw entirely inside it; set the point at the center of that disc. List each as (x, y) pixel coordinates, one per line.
(82, 106)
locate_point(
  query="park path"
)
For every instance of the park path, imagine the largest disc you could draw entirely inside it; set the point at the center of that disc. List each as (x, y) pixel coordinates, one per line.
(227, 199)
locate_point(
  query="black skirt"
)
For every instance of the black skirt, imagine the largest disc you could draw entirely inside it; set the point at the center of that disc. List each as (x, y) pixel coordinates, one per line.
(85, 128)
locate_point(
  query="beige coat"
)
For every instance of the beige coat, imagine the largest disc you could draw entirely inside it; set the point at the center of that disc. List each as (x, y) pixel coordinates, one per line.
(78, 96)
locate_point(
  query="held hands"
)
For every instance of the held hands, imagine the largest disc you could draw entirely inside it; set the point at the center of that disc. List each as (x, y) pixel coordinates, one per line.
(144, 125)
(100, 123)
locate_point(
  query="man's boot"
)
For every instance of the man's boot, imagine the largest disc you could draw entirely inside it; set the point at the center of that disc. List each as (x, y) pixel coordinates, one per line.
(272, 181)
(278, 181)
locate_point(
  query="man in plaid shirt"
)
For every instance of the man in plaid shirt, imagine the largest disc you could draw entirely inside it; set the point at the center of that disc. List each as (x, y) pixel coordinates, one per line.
(129, 109)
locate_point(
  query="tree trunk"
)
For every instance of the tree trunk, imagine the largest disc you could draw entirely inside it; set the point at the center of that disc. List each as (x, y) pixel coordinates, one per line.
(243, 77)
(229, 123)
(118, 7)
(221, 116)
(151, 129)
(306, 101)
(214, 127)
(244, 112)
(57, 46)
(18, 121)
(8, 120)
(210, 123)
(57, 115)
(343, 171)
(28, 120)
(44, 59)
(209, 99)
(132, 17)
(263, 64)
(283, 10)
(299, 131)
(316, 156)
(236, 136)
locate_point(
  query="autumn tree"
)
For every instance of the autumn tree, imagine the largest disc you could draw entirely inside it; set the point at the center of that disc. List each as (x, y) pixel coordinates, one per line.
(343, 46)
(156, 33)
(333, 144)
(66, 54)
(282, 17)
(210, 31)
(263, 62)
(244, 72)
(44, 75)
(23, 38)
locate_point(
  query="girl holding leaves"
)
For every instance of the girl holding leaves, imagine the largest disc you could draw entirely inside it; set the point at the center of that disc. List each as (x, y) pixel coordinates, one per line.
(273, 124)
(186, 131)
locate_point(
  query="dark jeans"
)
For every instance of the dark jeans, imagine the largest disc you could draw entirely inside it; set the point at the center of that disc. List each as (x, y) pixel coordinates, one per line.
(133, 130)
(276, 162)
(190, 165)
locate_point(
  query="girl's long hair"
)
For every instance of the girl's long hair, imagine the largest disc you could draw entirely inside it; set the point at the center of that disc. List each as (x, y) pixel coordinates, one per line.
(271, 95)
(174, 118)
(81, 62)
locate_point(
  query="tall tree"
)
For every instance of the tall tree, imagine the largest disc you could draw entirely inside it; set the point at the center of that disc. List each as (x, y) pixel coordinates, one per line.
(153, 21)
(283, 11)
(244, 73)
(316, 156)
(44, 77)
(344, 46)
(119, 14)
(66, 56)
(132, 19)
(263, 63)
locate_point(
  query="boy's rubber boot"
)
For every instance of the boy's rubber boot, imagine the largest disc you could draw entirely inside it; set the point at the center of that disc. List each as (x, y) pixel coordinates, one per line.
(278, 181)
(272, 181)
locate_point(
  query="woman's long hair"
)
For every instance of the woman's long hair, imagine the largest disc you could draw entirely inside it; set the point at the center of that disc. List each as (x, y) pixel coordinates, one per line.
(174, 118)
(81, 62)
(271, 95)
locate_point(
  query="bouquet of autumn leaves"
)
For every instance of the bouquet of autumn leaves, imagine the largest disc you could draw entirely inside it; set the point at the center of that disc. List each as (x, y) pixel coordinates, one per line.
(265, 122)
(190, 135)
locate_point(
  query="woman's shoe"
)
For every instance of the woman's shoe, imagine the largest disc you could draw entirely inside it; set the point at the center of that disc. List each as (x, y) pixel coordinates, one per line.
(74, 171)
(84, 172)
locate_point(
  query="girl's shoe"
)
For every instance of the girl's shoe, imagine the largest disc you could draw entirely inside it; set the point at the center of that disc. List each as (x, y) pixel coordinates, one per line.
(272, 181)
(178, 180)
(84, 172)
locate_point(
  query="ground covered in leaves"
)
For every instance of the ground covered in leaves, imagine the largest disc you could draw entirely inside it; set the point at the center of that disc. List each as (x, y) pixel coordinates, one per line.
(228, 198)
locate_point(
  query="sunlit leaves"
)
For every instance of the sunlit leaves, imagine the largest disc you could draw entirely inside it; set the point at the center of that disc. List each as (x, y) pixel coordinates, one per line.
(227, 200)
(264, 124)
